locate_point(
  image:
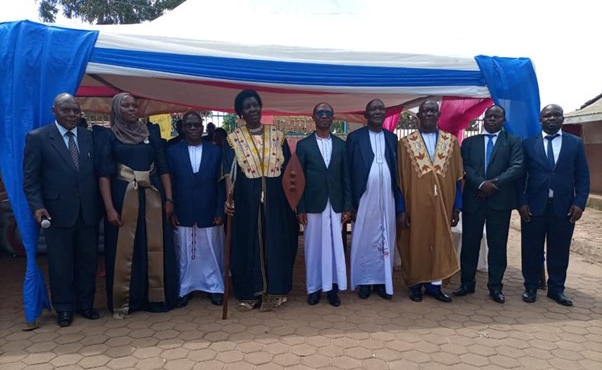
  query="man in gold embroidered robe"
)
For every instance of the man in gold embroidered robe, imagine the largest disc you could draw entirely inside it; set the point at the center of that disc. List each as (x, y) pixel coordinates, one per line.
(430, 170)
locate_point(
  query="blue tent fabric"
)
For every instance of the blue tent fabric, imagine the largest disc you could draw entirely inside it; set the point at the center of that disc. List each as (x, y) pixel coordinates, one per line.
(38, 62)
(281, 72)
(513, 85)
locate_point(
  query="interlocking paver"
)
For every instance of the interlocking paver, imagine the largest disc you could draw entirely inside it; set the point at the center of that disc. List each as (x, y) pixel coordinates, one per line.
(315, 361)
(151, 363)
(180, 364)
(89, 362)
(287, 359)
(470, 333)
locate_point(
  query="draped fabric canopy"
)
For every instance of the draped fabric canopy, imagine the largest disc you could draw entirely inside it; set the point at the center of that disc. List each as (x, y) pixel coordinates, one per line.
(174, 64)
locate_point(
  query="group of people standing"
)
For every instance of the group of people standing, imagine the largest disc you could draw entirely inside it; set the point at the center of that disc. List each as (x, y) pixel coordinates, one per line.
(165, 207)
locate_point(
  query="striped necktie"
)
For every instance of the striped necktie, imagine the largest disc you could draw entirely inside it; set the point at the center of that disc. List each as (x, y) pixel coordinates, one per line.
(73, 149)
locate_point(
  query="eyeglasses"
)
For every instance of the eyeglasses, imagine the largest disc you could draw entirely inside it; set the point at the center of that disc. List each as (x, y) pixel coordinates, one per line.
(327, 113)
(192, 124)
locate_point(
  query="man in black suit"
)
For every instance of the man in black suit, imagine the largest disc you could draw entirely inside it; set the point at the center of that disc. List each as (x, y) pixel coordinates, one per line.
(493, 162)
(324, 207)
(550, 201)
(61, 186)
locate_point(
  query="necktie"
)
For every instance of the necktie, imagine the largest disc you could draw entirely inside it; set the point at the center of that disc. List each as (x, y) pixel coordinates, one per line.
(73, 149)
(551, 150)
(488, 151)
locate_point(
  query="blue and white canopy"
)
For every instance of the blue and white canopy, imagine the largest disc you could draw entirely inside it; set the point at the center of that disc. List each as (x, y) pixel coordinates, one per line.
(295, 53)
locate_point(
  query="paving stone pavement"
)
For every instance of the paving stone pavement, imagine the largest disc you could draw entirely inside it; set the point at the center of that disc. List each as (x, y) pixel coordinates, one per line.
(472, 332)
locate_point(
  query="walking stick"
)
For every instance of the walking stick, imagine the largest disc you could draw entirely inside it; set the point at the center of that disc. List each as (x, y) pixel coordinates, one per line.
(227, 282)
(227, 261)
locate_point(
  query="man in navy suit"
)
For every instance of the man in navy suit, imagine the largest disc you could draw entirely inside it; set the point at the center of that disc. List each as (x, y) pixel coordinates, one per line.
(60, 184)
(199, 196)
(324, 207)
(377, 202)
(493, 162)
(551, 200)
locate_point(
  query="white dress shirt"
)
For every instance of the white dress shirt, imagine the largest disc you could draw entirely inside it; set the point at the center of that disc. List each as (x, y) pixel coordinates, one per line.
(196, 154)
(325, 145)
(63, 131)
(430, 141)
(556, 146)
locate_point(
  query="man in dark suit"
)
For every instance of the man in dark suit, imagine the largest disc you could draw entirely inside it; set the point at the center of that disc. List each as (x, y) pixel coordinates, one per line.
(199, 196)
(550, 201)
(61, 186)
(377, 202)
(493, 162)
(324, 206)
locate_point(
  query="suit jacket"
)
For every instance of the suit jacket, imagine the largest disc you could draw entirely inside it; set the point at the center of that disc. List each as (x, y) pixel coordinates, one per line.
(569, 179)
(51, 180)
(505, 168)
(360, 155)
(322, 183)
(198, 197)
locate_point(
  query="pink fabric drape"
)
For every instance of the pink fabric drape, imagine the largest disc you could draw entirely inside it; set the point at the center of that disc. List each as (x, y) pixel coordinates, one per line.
(391, 118)
(456, 113)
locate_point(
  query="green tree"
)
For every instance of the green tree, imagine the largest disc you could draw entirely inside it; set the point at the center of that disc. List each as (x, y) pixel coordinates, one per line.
(407, 121)
(106, 11)
(229, 123)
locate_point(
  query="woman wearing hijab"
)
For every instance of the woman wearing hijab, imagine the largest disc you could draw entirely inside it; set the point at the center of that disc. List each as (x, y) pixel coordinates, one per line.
(135, 186)
(264, 228)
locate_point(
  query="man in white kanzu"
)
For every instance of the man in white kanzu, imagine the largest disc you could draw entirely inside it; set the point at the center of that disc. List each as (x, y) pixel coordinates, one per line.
(377, 202)
(324, 207)
(199, 197)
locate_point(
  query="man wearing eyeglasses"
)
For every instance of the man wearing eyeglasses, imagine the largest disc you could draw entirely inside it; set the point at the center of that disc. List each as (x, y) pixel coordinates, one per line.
(377, 202)
(324, 207)
(199, 195)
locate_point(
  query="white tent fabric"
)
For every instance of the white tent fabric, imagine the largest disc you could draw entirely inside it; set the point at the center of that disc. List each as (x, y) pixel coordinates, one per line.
(272, 46)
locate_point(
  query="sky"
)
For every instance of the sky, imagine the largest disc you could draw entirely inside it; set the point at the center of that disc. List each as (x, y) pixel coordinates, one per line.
(560, 37)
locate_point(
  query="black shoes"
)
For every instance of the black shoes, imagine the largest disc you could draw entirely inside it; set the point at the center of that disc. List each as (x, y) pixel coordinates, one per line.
(438, 295)
(364, 291)
(497, 296)
(90, 314)
(416, 294)
(560, 298)
(530, 295)
(183, 301)
(333, 298)
(314, 298)
(216, 298)
(381, 290)
(463, 290)
(64, 319)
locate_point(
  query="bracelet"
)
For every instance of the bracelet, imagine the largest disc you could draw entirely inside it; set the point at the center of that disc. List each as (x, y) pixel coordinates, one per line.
(169, 200)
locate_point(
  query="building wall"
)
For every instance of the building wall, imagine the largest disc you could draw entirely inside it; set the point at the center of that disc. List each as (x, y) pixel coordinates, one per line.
(592, 138)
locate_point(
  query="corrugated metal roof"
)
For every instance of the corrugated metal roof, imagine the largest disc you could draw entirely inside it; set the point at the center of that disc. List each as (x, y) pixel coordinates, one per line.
(592, 112)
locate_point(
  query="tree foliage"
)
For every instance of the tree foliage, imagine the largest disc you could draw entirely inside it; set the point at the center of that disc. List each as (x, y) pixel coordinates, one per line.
(229, 123)
(106, 11)
(407, 121)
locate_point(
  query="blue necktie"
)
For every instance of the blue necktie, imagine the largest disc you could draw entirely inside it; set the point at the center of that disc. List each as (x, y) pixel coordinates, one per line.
(488, 151)
(551, 150)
